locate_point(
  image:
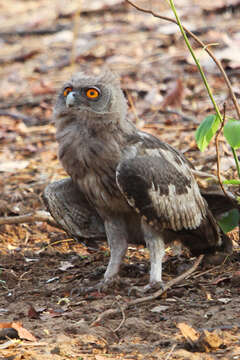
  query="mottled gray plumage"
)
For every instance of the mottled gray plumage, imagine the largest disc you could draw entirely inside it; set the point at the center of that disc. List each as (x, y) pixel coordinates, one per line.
(135, 185)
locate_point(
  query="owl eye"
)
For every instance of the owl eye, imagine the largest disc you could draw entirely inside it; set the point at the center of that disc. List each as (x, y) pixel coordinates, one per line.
(92, 93)
(67, 90)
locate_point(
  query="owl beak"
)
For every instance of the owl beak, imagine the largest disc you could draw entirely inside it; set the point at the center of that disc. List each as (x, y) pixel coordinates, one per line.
(70, 99)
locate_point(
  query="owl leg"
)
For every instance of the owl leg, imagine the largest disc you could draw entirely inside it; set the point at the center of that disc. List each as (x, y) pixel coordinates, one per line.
(70, 209)
(116, 231)
(156, 247)
(157, 250)
(117, 239)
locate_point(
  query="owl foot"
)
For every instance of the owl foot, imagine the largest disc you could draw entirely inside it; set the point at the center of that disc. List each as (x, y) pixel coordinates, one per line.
(100, 287)
(151, 287)
(103, 286)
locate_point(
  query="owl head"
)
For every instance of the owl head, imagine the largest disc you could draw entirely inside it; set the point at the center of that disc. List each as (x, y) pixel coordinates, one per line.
(94, 97)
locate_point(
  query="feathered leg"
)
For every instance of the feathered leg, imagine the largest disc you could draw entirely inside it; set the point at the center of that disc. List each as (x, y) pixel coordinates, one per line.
(156, 247)
(116, 231)
(117, 239)
(157, 250)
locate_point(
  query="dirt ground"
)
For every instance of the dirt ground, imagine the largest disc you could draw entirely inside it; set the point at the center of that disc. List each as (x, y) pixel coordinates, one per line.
(36, 291)
(41, 268)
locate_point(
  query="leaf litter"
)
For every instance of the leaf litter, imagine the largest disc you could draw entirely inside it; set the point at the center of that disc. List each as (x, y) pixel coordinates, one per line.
(168, 100)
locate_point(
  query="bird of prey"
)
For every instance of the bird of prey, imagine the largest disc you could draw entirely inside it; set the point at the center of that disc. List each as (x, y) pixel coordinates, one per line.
(124, 183)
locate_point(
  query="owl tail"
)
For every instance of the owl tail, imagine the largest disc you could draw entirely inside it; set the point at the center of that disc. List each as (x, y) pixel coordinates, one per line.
(208, 238)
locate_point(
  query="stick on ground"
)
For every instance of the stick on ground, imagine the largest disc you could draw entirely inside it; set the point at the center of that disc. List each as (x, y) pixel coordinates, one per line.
(28, 218)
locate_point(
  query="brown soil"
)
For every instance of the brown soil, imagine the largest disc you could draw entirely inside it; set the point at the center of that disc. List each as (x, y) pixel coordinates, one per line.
(41, 269)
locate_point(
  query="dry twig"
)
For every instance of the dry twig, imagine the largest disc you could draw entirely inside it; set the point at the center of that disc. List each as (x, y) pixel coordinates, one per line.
(133, 108)
(178, 113)
(28, 218)
(206, 271)
(16, 116)
(123, 317)
(171, 352)
(154, 296)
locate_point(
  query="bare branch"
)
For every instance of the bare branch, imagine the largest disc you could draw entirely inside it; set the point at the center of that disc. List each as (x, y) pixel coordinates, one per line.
(28, 218)
(123, 318)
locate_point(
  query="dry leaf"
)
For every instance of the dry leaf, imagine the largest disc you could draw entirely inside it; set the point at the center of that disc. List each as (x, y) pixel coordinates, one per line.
(22, 332)
(9, 343)
(210, 340)
(159, 308)
(204, 341)
(174, 95)
(32, 313)
(189, 333)
(5, 325)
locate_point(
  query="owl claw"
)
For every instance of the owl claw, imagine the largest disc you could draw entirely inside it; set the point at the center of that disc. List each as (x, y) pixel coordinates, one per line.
(83, 290)
(105, 284)
(151, 287)
(101, 287)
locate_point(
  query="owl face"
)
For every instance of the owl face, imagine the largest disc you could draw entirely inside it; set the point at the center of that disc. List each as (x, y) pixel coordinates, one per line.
(84, 93)
(90, 100)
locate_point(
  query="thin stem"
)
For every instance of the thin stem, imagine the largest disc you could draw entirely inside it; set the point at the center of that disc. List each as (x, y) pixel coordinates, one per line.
(195, 59)
(218, 153)
(217, 148)
(236, 161)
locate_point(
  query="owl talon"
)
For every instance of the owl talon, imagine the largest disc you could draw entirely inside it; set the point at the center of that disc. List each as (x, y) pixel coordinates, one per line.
(111, 283)
(80, 291)
(101, 287)
(151, 287)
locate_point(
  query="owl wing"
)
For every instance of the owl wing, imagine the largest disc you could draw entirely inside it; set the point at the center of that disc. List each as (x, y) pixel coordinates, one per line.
(158, 183)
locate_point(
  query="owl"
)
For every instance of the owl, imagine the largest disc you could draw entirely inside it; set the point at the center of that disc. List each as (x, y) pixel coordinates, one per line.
(124, 184)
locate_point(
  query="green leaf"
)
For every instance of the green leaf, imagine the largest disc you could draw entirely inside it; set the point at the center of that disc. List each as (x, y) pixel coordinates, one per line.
(232, 182)
(229, 221)
(231, 132)
(206, 130)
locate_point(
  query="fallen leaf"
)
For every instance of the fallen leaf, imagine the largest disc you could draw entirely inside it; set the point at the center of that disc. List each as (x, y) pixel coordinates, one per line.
(190, 334)
(22, 332)
(65, 265)
(9, 343)
(174, 95)
(224, 300)
(159, 308)
(203, 341)
(32, 313)
(5, 325)
(210, 340)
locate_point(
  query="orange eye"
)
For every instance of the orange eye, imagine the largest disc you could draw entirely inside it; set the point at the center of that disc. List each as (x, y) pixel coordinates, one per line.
(92, 93)
(67, 90)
